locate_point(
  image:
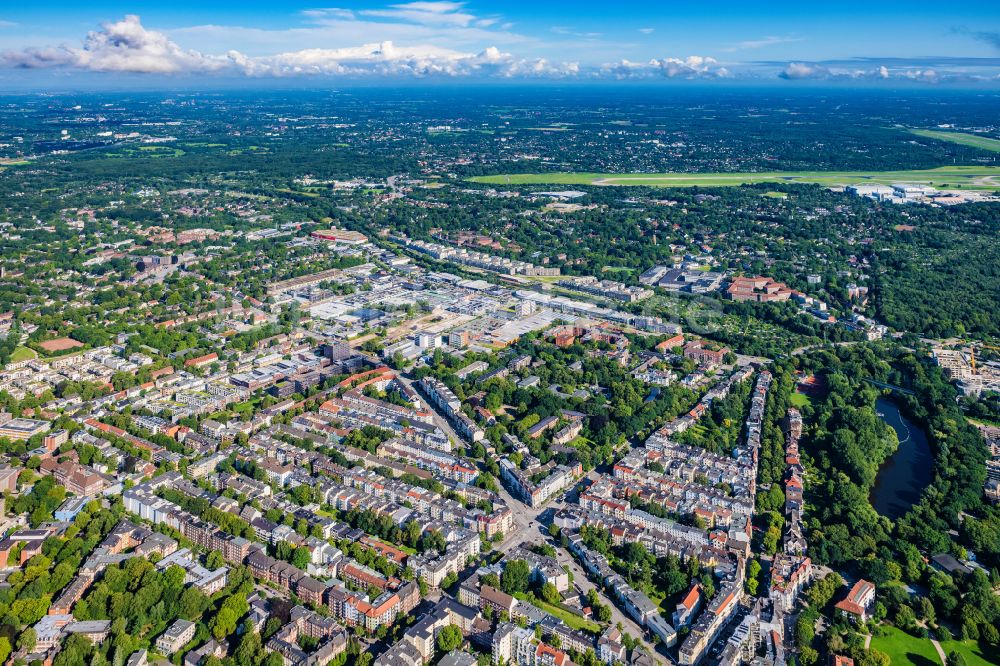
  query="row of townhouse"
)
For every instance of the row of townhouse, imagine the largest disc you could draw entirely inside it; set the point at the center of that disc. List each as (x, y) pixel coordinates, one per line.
(709, 549)
(714, 618)
(794, 542)
(359, 489)
(688, 464)
(331, 637)
(635, 604)
(442, 397)
(125, 536)
(322, 553)
(789, 575)
(434, 568)
(675, 496)
(718, 391)
(418, 644)
(362, 492)
(544, 569)
(755, 418)
(360, 412)
(427, 503)
(502, 265)
(440, 463)
(717, 512)
(352, 608)
(534, 494)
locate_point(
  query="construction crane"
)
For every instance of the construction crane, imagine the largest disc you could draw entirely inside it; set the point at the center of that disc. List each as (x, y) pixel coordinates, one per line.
(972, 353)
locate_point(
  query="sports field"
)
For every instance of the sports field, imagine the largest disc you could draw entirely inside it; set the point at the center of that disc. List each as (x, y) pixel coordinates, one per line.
(956, 177)
(962, 138)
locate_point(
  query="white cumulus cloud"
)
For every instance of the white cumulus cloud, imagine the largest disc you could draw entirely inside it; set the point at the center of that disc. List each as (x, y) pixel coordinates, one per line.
(801, 70)
(127, 46)
(816, 71)
(691, 67)
(422, 38)
(121, 46)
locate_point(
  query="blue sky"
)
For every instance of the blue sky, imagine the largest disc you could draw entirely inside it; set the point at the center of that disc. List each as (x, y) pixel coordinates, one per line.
(865, 43)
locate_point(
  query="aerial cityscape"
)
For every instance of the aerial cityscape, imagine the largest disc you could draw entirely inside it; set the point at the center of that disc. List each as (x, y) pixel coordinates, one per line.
(467, 334)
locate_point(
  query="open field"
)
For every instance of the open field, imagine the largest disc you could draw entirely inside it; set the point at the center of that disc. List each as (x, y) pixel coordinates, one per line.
(964, 177)
(22, 354)
(59, 344)
(904, 649)
(572, 620)
(961, 138)
(799, 400)
(974, 652)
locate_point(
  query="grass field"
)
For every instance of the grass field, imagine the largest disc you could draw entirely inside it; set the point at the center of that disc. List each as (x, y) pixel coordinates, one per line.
(973, 652)
(572, 620)
(906, 650)
(961, 138)
(965, 177)
(799, 399)
(22, 354)
(305, 193)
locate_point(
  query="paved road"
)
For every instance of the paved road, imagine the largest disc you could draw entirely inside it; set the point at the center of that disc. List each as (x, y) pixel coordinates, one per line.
(583, 582)
(531, 527)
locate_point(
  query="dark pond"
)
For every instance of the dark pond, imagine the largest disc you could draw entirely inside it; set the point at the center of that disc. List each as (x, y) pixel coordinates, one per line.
(906, 473)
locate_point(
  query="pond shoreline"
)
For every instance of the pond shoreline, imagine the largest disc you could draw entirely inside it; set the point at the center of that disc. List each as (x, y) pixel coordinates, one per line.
(902, 478)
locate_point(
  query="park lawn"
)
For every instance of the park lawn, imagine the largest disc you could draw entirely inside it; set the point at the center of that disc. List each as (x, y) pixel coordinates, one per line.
(965, 177)
(904, 649)
(973, 652)
(23, 354)
(572, 620)
(961, 138)
(799, 400)
(305, 193)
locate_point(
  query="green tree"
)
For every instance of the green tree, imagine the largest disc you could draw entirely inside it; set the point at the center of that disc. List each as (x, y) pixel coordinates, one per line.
(248, 649)
(26, 641)
(449, 638)
(302, 557)
(956, 659)
(214, 560)
(224, 623)
(192, 603)
(516, 576)
(551, 594)
(808, 656)
(275, 659)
